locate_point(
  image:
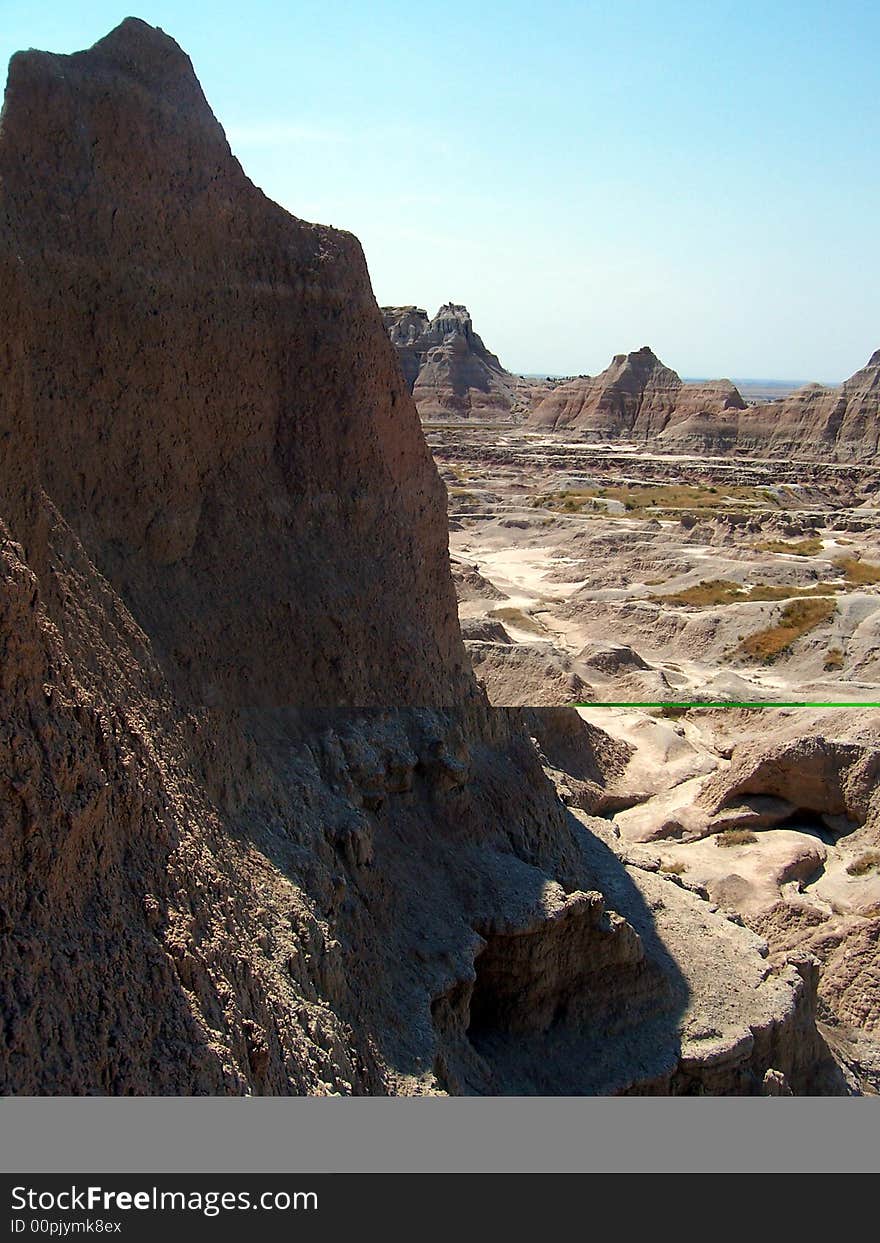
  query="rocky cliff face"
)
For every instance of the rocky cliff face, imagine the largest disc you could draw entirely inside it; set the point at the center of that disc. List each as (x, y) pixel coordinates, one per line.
(838, 423)
(185, 341)
(636, 397)
(224, 865)
(449, 371)
(407, 328)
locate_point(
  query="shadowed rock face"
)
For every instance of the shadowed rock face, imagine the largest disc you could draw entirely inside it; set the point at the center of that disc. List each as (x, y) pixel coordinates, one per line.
(449, 371)
(636, 396)
(407, 327)
(182, 340)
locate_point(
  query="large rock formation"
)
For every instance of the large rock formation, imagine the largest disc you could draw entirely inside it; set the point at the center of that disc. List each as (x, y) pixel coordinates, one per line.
(449, 371)
(219, 523)
(181, 340)
(816, 421)
(636, 397)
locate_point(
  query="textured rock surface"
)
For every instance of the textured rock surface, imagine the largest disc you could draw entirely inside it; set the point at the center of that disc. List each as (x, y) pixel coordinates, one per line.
(838, 423)
(636, 397)
(332, 901)
(449, 371)
(183, 340)
(785, 833)
(219, 524)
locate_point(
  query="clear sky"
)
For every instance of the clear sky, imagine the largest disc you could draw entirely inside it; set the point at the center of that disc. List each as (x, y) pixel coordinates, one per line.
(588, 177)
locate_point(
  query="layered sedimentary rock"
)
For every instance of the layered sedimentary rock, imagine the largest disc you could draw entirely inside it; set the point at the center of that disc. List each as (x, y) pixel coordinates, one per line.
(636, 397)
(816, 421)
(224, 865)
(182, 340)
(407, 328)
(449, 371)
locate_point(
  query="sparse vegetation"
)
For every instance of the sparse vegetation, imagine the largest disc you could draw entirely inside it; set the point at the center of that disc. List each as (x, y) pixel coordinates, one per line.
(704, 594)
(655, 499)
(868, 861)
(859, 573)
(798, 618)
(674, 712)
(717, 591)
(796, 548)
(735, 837)
(766, 591)
(674, 866)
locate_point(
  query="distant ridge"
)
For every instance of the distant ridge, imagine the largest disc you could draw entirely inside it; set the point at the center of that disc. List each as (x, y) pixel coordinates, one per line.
(635, 396)
(639, 398)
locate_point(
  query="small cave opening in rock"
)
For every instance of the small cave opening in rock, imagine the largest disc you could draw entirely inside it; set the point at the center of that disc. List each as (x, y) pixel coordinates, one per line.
(503, 996)
(828, 828)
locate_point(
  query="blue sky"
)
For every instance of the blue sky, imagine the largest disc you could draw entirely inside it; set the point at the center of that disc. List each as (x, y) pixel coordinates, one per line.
(587, 177)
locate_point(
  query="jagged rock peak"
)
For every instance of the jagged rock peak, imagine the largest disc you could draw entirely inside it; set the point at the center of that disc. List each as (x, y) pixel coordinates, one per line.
(643, 356)
(637, 395)
(208, 396)
(447, 366)
(145, 49)
(839, 423)
(453, 318)
(870, 372)
(142, 52)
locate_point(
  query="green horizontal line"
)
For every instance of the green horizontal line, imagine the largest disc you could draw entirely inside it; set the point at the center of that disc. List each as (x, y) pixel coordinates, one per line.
(690, 703)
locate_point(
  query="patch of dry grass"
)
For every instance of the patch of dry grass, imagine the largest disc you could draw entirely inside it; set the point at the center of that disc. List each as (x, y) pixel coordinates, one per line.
(735, 837)
(766, 591)
(649, 499)
(674, 866)
(705, 594)
(795, 548)
(859, 573)
(717, 591)
(798, 618)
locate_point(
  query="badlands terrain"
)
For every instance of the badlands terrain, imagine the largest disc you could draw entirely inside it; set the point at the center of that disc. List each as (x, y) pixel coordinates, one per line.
(268, 823)
(637, 581)
(653, 576)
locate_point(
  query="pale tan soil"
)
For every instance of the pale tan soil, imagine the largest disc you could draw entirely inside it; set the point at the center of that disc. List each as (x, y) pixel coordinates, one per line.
(602, 575)
(581, 596)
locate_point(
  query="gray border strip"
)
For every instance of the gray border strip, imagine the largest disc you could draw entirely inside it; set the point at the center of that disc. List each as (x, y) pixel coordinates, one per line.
(372, 1135)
